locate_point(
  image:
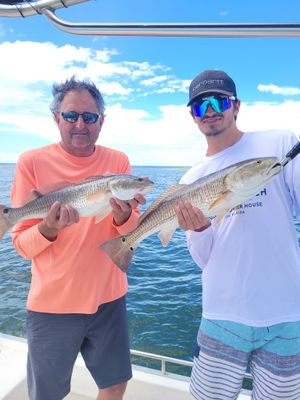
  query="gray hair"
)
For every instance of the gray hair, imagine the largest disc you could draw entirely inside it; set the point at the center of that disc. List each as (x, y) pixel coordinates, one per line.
(59, 90)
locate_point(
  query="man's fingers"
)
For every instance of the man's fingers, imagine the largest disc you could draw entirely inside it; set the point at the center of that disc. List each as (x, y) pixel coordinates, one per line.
(191, 218)
(125, 206)
(59, 217)
(187, 215)
(120, 205)
(139, 199)
(72, 215)
(54, 212)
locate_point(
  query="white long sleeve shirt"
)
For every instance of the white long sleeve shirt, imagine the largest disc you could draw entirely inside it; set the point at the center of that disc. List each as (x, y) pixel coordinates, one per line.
(250, 261)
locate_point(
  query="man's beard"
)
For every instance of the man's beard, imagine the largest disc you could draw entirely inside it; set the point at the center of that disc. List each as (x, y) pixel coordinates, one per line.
(215, 130)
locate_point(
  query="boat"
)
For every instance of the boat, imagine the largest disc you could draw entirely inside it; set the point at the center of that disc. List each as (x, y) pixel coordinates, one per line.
(146, 384)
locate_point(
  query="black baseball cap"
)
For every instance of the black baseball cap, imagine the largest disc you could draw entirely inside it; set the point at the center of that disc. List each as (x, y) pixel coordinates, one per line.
(215, 81)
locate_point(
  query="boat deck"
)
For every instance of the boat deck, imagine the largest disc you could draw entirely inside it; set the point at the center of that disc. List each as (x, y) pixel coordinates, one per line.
(147, 384)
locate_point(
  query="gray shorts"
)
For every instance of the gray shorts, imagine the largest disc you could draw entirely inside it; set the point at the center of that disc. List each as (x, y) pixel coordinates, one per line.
(225, 349)
(54, 341)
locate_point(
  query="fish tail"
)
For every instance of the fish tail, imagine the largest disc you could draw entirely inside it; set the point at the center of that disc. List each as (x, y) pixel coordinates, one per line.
(4, 223)
(119, 250)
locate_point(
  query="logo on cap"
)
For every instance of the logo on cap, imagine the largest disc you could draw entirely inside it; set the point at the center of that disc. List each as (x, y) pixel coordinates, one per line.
(209, 82)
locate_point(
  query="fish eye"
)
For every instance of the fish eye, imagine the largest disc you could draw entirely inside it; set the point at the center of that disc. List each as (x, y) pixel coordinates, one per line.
(258, 162)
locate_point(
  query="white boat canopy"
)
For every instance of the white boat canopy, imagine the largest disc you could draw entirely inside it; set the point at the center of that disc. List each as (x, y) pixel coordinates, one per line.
(47, 8)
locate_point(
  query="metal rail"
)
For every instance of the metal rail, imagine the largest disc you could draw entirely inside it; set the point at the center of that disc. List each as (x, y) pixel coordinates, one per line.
(164, 360)
(47, 8)
(174, 29)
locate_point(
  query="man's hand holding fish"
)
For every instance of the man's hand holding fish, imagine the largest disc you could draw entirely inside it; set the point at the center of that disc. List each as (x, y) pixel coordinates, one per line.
(121, 210)
(57, 218)
(191, 218)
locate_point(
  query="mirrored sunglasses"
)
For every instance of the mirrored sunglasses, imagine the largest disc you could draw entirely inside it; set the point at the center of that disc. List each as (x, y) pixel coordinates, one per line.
(218, 104)
(72, 116)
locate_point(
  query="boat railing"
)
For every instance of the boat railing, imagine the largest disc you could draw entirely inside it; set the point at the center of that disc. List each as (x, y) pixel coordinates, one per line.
(48, 7)
(164, 360)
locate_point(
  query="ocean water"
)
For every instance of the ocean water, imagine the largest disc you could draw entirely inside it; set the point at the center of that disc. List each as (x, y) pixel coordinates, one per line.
(164, 297)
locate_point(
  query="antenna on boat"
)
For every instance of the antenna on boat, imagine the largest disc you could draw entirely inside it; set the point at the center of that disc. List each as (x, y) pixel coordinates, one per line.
(25, 8)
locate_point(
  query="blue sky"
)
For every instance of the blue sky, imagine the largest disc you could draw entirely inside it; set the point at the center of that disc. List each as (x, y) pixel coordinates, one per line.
(144, 80)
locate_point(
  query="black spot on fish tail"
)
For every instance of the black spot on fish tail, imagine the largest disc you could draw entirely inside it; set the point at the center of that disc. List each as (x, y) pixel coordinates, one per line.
(119, 252)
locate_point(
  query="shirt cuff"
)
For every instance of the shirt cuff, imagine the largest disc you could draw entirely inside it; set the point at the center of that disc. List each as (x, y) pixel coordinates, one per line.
(200, 234)
(129, 225)
(31, 242)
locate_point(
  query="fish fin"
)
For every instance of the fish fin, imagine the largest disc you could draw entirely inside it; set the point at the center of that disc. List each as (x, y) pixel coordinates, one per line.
(92, 178)
(171, 190)
(97, 197)
(215, 204)
(35, 194)
(119, 251)
(100, 215)
(166, 235)
(54, 187)
(4, 224)
(102, 206)
(95, 177)
(220, 216)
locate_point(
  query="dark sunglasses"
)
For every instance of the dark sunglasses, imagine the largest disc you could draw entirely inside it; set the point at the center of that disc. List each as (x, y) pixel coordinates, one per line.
(218, 103)
(72, 116)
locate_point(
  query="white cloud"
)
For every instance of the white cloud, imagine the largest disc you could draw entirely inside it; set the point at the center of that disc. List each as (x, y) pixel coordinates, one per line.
(114, 78)
(164, 84)
(259, 116)
(175, 86)
(30, 125)
(171, 138)
(174, 139)
(274, 89)
(154, 81)
(8, 157)
(114, 88)
(140, 69)
(174, 129)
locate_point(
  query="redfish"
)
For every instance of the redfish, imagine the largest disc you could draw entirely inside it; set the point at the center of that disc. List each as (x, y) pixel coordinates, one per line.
(214, 195)
(90, 198)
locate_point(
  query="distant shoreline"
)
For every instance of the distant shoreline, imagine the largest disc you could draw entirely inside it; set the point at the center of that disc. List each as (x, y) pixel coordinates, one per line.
(134, 166)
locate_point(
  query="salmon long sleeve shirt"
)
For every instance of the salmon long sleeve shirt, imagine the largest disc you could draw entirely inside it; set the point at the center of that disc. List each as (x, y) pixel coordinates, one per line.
(70, 274)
